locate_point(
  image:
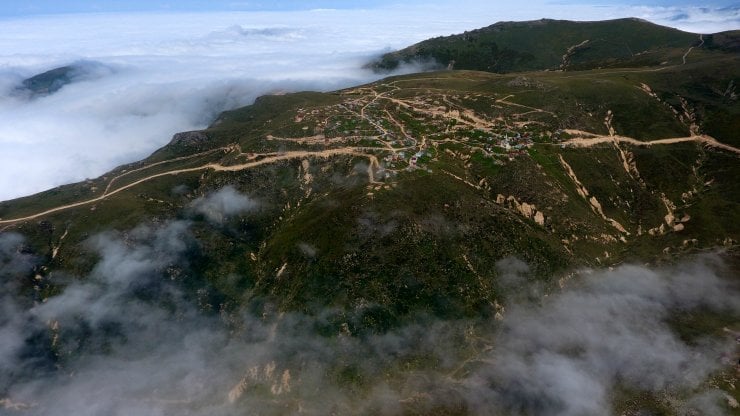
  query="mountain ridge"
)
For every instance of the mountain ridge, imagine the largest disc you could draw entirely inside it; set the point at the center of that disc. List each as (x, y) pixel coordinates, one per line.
(549, 44)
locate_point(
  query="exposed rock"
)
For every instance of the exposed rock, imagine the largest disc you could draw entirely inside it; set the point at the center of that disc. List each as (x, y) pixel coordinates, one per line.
(669, 218)
(522, 81)
(189, 138)
(526, 209)
(539, 218)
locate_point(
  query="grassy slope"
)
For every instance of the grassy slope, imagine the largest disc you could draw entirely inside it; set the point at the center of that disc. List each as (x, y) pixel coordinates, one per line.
(430, 232)
(539, 45)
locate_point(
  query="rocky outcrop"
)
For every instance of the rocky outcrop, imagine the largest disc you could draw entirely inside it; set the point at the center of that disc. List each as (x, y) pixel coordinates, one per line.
(189, 138)
(526, 210)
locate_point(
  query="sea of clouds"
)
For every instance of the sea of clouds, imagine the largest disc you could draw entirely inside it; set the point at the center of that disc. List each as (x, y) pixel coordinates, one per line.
(154, 74)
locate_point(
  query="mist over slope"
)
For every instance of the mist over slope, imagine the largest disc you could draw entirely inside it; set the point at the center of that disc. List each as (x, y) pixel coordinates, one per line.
(135, 337)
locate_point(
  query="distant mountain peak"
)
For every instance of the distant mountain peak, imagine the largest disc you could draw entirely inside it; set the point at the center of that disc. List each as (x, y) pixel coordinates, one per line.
(53, 80)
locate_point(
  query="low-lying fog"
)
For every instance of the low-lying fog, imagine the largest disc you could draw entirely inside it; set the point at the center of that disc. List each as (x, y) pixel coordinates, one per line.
(129, 339)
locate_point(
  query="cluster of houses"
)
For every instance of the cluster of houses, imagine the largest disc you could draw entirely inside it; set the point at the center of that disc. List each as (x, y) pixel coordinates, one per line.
(395, 157)
(516, 146)
(401, 156)
(514, 142)
(415, 158)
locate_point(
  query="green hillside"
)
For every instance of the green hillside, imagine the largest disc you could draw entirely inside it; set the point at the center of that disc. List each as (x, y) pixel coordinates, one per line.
(53, 80)
(557, 170)
(553, 45)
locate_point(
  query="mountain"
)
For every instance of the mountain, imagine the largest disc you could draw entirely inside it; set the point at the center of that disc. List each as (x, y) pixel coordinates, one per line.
(53, 80)
(553, 45)
(417, 244)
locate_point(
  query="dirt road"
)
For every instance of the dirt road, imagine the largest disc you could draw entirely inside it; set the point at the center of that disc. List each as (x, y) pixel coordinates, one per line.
(589, 139)
(212, 166)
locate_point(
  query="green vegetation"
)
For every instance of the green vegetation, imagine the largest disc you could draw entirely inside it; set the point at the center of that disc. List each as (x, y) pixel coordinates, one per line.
(50, 81)
(493, 175)
(399, 199)
(555, 44)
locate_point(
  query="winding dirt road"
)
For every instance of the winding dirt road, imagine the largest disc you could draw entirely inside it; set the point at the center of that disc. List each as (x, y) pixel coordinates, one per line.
(701, 38)
(587, 139)
(355, 151)
(579, 139)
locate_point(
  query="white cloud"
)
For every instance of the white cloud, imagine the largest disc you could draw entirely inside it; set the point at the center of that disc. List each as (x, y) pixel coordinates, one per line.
(567, 353)
(222, 204)
(141, 333)
(175, 72)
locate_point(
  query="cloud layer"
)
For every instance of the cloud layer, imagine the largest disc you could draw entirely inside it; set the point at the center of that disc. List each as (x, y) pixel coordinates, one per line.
(567, 355)
(176, 72)
(141, 335)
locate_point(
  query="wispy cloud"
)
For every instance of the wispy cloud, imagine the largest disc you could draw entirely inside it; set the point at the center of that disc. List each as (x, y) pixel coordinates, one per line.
(566, 355)
(138, 335)
(218, 206)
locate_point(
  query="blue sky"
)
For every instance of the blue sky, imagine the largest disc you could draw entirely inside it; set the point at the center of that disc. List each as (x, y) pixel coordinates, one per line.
(34, 7)
(28, 7)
